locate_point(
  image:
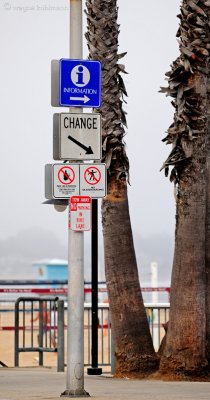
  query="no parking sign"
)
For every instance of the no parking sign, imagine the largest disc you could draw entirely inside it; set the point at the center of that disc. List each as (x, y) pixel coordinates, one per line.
(80, 213)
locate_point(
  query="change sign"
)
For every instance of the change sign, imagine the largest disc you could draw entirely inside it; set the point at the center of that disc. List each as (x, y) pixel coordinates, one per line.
(76, 136)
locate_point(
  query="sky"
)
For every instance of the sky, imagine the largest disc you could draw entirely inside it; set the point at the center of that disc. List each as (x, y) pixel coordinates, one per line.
(32, 33)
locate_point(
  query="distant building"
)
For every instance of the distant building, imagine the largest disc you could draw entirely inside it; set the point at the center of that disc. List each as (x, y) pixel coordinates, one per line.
(54, 269)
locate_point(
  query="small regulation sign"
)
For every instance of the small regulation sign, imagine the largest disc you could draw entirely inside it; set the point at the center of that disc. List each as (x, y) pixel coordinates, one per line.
(61, 181)
(93, 180)
(65, 180)
(80, 213)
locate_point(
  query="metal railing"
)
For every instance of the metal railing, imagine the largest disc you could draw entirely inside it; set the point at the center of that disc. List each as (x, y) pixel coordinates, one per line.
(33, 334)
(104, 335)
(157, 314)
(10, 289)
(39, 327)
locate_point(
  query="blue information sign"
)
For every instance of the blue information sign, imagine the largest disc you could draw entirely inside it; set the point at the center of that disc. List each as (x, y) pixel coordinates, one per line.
(80, 83)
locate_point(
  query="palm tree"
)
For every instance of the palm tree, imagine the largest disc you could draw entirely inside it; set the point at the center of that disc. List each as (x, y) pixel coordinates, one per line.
(208, 223)
(186, 345)
(134, 348)
(207, 242)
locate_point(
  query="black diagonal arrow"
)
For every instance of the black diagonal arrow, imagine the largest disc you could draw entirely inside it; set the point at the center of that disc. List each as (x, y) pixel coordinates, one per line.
(87, 149)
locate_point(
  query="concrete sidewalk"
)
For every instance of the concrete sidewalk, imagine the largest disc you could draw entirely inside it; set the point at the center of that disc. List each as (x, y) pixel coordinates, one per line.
(46, 383)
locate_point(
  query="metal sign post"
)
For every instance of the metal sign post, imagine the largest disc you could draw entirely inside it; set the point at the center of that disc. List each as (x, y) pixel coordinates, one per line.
(94, 369)
(75, 338)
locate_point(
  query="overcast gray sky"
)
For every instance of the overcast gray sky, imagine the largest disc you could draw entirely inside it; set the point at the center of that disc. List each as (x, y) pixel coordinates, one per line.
(31, 35)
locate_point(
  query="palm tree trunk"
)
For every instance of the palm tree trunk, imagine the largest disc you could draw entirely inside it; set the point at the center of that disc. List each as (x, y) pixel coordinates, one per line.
(208, 217)
(134, 348)
(185, 350)
(208, 242)
(186, 337)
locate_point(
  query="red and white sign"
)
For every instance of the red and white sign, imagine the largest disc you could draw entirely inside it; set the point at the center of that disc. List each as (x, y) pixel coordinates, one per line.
(80, 213)
(65, 180)
(93, 180)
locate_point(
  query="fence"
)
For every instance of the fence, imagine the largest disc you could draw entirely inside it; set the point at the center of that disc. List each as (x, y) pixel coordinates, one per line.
(39, 327)
(105, 345)
(26, 330)
(157, 314)
(11, 289)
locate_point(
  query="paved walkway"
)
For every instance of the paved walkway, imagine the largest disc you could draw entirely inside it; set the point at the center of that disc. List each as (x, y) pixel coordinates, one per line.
(46, 383)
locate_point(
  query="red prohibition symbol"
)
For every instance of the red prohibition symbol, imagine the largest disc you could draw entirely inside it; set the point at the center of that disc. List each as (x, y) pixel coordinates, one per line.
(66, 175)
(92, 175)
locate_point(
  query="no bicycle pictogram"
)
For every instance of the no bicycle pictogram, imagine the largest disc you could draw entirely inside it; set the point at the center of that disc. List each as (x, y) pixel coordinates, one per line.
(66, 175)
(92, 175)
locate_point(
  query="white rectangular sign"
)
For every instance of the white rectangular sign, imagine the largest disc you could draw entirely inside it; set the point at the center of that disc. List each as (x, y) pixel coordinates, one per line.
(80, 213)
(77, 136)
(65, 180)
(93, 180)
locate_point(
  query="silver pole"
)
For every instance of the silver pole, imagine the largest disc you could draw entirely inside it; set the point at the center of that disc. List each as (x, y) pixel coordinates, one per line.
(75, 350)
(60, 313)
(76, 29)
(75, 336)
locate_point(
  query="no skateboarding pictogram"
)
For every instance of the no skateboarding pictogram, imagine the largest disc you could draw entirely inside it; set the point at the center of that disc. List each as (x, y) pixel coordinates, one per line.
(93, 180)
(92, 175)
(66, 175)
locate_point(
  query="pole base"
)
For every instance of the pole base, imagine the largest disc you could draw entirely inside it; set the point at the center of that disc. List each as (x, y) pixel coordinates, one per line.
(75, 393)
(94, 371)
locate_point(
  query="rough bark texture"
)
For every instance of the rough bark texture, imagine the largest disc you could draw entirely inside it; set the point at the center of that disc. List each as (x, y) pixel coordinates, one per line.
(208, 243)
(185, 350)
(208, 215)
(208, 220)
(185, 343)
(134, 348)
(102, 37)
